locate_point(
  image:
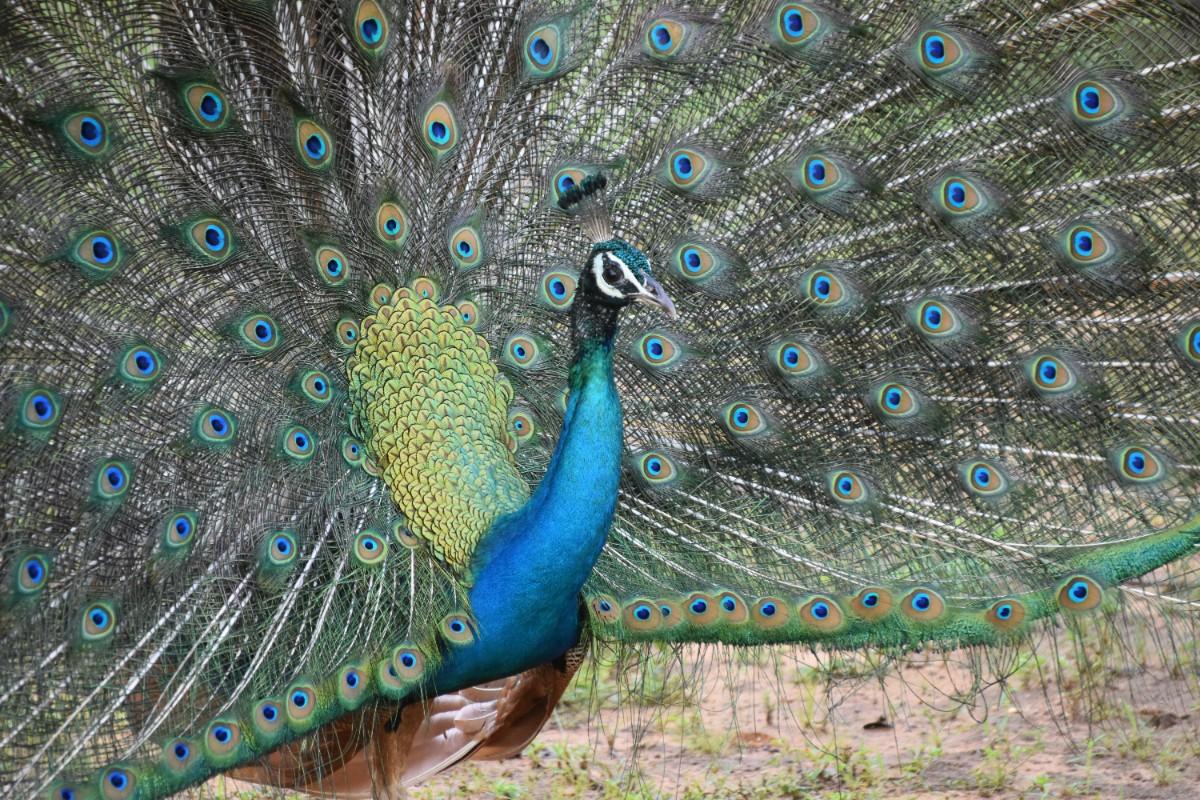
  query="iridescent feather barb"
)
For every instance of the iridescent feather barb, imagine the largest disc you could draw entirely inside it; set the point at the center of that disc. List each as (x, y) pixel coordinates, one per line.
(301, 302)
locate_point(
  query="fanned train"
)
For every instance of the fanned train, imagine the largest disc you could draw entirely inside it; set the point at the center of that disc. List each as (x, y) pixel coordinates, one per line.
(362, 361)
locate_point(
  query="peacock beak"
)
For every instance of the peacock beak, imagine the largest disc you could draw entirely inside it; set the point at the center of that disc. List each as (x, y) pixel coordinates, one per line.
(653, 294)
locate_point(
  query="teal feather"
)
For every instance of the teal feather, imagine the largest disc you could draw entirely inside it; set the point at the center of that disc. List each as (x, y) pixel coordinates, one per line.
(933, 378)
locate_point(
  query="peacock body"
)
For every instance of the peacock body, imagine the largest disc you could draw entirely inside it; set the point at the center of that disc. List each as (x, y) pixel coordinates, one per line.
(319, 420)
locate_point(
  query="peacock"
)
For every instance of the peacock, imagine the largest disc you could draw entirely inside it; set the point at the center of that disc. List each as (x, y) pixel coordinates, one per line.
(367, 361)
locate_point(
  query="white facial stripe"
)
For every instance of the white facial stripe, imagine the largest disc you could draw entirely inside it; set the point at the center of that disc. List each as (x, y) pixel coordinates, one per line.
(598, 264)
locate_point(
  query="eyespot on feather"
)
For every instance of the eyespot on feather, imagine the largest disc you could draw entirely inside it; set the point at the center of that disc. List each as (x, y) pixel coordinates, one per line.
(557, 289)
(467, 246)
(1006, 614)
(88, 132)
(370, 27)
(822, 613)
(701, 609)
(457, 629)
(771, 612)
(439, 129)
(391, 225)
(222, 739)
(210, 238)
(743, 419)
(984, 479)
(687, 168)
(332, 266)
(848, 487)
(642, 615)
(872, 603)
(733, 607)
(98, 253)
(1138, 464)
(542, 52)
(1079, 593)
(923, 605)
(665, 38)
(206, 105)
(605, 608)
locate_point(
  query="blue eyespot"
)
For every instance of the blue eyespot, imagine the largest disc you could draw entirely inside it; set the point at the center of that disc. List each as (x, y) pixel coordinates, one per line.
(683, 166)
(935, 49)
(956, 194)
(822, 288)
(214, 238)
(1135, 462)
(118, 780)
(99, 617)
(114, 477)
(439, 132)
(210, 107)
(664, 610)
(558, 288)
(655, 347)
(371, 30)
(222, 733)
(1083, 243)
(605, 606)
(408, 660)
(282, 545)
(982, 476)
(565, 184)
(699, 606)
(933, 316)
(43, 407)
(35, 571)
(299, 699)
(66, 794)
(315, 146)
(102, 249)
(91, 131)
(269, 713)
(464, 248)
(183, 527)
(820, 610)
(1048, 371)
(922, 601)
(768, 609)
(519, 351)
(1089, 98)
(392, 225)
(691, 260)
(263, 331)
(816, 171)
(870, 599)
(352, 679)
(302, 441)
(654, 466)
(334, 267)
(741, 417)
(181, 751)
(845, 484)
(144, 362)
(793, 21)
(1078, 591)
(540, 52)
(661, 38)
(892, 398)
(457, 626)
(218, 422)
(642, 612)
(729, 604)
(1004, 611)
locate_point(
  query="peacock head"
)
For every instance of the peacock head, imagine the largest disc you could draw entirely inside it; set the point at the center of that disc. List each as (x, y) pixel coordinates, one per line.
(618, 274)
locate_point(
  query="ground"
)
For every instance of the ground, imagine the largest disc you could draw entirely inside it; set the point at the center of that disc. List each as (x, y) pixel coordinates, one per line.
(1109, 711)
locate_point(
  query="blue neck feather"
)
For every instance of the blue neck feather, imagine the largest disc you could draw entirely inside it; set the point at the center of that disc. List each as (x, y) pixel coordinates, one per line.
(530, 567)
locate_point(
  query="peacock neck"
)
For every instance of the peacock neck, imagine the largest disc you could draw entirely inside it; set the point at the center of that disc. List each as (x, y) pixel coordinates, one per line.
(529, 569)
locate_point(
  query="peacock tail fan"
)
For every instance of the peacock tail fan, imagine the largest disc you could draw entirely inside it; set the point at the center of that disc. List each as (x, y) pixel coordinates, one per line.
(934, 381)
